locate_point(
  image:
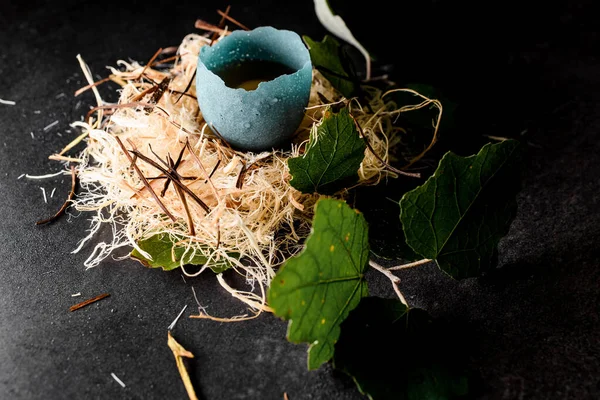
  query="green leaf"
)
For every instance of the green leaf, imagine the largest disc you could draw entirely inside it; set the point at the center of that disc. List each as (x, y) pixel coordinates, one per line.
(317, 289)
(163, 248)
(458, 216)
(424, 360)
(332, 158)
(335, 65)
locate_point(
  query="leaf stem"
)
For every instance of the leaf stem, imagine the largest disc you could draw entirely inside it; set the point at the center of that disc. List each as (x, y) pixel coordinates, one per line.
(394, 279)
(410, 265)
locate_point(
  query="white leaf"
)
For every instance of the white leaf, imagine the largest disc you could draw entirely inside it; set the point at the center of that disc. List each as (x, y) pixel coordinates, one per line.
(336, 25)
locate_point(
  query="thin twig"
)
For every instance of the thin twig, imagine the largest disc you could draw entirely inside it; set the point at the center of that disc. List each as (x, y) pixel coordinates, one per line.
(173, 166)
(167, 59)
(200, 24)
(168, 181)
(145, 181)
(221, 25)
(66, 203)
(199, 162)
(174, 177)
(240, 179)
(187, 87)
(213, 170)
(89, 301)
(113, 106)
(163, 162)
(226, 16)
(187, 178)
(144, 92)
(188, 214)
(394, 279)
(87, 87)
(410, 265)
(150, 62)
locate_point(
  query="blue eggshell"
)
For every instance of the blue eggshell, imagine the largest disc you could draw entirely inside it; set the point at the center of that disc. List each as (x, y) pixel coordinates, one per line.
(264, 118)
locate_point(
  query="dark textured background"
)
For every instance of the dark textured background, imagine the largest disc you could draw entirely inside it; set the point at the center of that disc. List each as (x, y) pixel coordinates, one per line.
(526, 70)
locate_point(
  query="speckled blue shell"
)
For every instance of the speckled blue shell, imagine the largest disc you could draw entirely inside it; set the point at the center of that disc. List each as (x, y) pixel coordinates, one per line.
(264, 118)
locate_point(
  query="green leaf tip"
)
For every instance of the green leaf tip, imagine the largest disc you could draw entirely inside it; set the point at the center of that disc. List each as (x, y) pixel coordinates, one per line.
(458, 216)
(168, 255)
(332, 158)
(316, 289)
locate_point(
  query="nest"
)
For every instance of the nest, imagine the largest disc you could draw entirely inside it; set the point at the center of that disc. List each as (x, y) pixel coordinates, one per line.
(227, 205)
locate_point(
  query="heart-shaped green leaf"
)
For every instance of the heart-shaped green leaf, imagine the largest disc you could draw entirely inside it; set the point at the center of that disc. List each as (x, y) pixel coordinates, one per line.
(332, 157)
(458, 216)
(317, 289)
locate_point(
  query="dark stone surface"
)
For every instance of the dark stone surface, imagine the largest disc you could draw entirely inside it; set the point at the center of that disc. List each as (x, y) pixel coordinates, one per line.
(533, 324)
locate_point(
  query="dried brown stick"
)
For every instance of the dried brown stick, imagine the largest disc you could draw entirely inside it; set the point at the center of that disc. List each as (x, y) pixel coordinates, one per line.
(240, 179)
(87, 87)
(190, 220)
(150, 62)
(221, 25)
(213, 171)
(187, 87)
(175, 177)
(112, 106)
(166, 164)
(167, 59)
(187, 178)
(226, 16)
(144, 180)
(184, 93)
(144, 92)
(174, 166)
(200, 24)
(88, 301)
(66, 203)
(199, 162)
